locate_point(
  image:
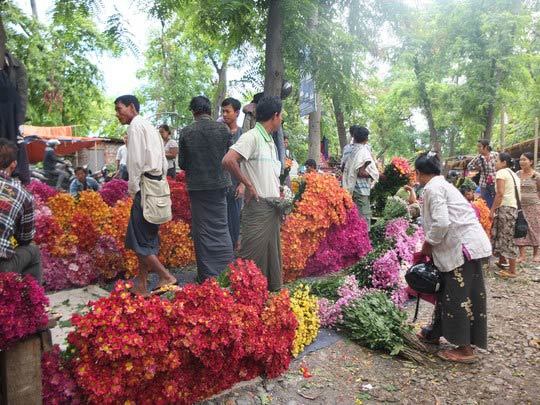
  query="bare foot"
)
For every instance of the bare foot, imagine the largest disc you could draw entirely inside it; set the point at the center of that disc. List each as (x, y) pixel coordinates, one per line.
(521, 259)
(536, 259)
(140, 287)
(170, 279)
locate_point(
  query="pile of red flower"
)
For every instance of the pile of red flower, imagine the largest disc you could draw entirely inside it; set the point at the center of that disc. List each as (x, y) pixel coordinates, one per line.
(130, 349)
(22, 308)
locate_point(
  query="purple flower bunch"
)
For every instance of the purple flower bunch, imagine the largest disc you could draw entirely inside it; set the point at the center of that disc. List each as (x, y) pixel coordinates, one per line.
(114, 191)
(405, 245)
(75, 270)
(41, 191)
(331, 313)
(343, 246)
(22, 307)
(400, 296)
(59, 386)
(386, 271)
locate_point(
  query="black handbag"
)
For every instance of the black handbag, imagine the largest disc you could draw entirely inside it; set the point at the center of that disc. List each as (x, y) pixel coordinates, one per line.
(522, 227)
(424, 278)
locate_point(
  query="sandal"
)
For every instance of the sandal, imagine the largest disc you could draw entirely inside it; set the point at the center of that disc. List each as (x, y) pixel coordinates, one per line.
(165, 288)
(450, 355)
(506, 274)
(502, 266)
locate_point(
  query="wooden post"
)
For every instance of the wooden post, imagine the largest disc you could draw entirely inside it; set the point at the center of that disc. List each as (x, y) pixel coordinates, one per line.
(535, 142)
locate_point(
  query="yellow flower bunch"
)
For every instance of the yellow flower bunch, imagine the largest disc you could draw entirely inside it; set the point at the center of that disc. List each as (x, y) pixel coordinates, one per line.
(176, 246)
(91, 204)
(62, 206)
(305, 307)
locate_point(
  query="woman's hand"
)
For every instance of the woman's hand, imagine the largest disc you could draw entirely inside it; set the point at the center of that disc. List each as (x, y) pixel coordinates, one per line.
(427, 249)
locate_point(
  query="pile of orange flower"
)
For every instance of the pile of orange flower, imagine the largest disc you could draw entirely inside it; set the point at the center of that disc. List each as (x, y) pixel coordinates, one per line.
(484, 211)
(82, 240)
(323, 204)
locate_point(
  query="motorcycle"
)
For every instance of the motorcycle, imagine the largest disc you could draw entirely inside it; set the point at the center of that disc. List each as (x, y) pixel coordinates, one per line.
(45, 177)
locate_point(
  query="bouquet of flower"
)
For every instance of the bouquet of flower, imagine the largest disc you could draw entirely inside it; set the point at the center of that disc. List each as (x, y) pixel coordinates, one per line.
(202, 341)
(59, 387)
(41, 191)
(395, 175)
(305, 308)
(323, 204)
(113, 191)
(22, 308)
(344, 245)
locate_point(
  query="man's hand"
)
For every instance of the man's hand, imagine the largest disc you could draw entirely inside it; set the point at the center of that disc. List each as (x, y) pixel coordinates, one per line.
(408, 188)
(240, 191)
(427, 249)
(251, 193)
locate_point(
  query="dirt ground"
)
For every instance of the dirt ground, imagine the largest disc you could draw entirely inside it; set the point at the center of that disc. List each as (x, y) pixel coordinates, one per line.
(345, 373)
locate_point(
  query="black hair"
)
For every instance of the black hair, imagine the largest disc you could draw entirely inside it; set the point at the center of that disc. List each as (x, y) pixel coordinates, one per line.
(200, 105)
(8, 153)
(234, 103)
(485, 143)
(285, 136)
(165, 127)
(506, 158)
(79, 168)
(529, 155)
(428, 163)
(127, 100)
(311, 163)
(257, 97)
(360, 134)
(267, 108)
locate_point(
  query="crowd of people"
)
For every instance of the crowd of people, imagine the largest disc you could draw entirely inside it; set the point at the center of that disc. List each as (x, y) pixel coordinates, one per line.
(233, 179)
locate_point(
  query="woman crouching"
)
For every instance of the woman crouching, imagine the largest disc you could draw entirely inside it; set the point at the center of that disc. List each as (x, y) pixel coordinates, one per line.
(457, 244)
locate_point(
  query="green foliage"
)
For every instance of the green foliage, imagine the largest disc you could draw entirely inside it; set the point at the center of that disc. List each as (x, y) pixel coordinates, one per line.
(363, 268)
(387, 186)
(395, 207)
(65, 84)
(174, 72)
(375, 322)
(327, 287)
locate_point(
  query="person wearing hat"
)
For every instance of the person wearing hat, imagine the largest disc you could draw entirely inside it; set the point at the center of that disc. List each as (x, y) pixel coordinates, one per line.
(49, 163)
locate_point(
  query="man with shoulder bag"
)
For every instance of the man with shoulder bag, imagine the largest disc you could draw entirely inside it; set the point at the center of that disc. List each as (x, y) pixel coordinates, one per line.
(147, 184)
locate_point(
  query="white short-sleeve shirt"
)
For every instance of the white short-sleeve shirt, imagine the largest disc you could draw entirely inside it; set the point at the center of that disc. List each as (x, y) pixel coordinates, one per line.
(121, 155)
(261, 165)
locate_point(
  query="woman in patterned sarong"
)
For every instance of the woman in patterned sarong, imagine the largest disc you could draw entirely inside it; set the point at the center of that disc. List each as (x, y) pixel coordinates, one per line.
(530, 203)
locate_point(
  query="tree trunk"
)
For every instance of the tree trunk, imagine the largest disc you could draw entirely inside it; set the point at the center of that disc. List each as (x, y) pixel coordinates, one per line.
(426, 107)
(451, 142)
(34, 9)
(340, 123)
(3, 40)
(490, 119)
(314, 137)
(274, 65)
(221, 88)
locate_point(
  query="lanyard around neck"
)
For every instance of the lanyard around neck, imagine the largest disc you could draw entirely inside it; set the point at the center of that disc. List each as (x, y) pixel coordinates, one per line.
(263, 132)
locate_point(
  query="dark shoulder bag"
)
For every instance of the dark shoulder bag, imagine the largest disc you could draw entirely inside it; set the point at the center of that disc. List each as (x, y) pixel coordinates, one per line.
(522, 227)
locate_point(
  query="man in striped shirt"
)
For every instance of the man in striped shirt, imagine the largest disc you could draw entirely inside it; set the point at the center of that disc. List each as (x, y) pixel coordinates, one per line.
(17, 252)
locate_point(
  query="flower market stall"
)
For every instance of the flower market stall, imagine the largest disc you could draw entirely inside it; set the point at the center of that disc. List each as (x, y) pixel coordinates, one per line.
(194, 342)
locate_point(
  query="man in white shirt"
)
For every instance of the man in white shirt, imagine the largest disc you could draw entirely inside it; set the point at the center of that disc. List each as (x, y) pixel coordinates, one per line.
(121, 161)
(171, 149)
(254, 161)
(146, 157)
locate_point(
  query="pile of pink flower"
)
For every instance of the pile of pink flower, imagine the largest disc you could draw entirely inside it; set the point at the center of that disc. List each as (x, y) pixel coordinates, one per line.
(82, 239)
(343, 246)
(22, 308)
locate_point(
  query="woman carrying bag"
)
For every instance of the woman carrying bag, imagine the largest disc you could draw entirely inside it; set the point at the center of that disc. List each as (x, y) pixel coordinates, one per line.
(457, 244)
(504, 213)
